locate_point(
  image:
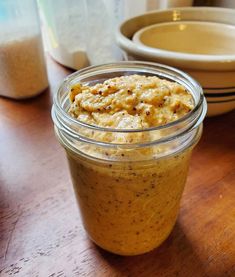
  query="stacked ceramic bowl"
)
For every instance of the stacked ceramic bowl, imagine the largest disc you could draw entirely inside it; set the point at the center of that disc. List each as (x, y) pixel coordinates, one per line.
(199, 41)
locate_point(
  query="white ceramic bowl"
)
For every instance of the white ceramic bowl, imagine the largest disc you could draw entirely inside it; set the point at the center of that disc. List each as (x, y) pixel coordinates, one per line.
(215, 72)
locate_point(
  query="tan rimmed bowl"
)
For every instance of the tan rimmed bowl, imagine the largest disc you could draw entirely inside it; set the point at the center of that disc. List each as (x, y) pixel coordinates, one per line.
(207, 58)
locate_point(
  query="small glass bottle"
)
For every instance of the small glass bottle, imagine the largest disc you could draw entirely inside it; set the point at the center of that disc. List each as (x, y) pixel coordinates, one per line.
(22, 65)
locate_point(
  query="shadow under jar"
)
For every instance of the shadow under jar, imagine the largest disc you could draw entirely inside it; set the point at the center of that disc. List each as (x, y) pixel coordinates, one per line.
(128, 182)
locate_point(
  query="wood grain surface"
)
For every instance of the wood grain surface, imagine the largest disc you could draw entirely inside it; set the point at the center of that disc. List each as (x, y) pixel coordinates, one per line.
(40, 229)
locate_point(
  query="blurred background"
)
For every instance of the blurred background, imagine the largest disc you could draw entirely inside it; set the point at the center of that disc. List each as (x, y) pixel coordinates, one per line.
(79, 33)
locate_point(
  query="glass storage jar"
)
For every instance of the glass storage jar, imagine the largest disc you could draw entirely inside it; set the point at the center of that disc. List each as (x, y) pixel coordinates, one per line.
(128, 190)
(106, 15)
(22, 65)
(64, 25)
(100, 41)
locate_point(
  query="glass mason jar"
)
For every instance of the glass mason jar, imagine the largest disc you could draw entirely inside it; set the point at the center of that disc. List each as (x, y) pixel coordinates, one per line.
(128, 186)
(22, 65)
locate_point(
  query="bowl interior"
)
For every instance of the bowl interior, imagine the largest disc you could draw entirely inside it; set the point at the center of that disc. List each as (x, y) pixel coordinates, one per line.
(204, 38)
(183, 60)
(214, 72)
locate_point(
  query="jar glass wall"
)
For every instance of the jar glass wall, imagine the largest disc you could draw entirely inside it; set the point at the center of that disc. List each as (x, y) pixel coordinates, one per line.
(128, 183)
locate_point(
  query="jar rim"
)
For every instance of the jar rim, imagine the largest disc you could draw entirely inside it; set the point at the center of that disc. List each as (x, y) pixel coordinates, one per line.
(72, 129)
(144, 67)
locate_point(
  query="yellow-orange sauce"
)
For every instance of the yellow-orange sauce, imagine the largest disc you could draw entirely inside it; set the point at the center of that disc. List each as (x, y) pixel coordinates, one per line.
(129, 205)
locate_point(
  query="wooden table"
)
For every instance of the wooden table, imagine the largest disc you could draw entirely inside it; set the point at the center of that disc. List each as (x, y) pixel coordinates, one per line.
(40, 227)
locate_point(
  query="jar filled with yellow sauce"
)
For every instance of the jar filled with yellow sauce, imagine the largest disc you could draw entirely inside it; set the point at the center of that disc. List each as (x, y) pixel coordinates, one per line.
(128, 129)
